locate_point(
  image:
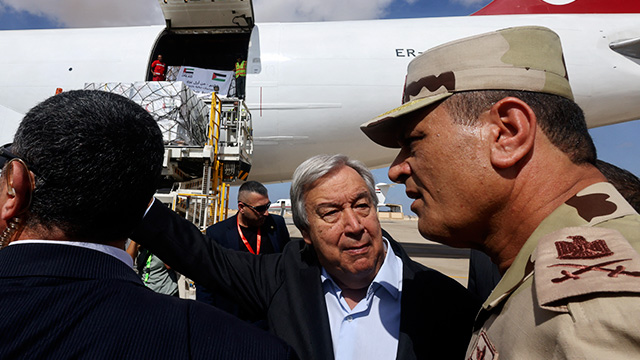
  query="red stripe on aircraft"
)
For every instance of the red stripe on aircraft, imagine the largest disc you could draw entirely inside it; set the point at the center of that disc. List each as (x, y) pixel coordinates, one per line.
(511, 7)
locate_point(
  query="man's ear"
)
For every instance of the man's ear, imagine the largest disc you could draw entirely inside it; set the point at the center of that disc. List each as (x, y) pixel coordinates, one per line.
(306, 237)
(16, 189)
(512, 125)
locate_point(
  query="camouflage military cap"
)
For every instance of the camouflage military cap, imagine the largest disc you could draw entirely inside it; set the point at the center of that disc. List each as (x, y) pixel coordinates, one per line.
(521, 58)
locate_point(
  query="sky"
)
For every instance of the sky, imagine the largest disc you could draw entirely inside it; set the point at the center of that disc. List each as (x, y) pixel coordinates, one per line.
(617, 144)
(39, 14)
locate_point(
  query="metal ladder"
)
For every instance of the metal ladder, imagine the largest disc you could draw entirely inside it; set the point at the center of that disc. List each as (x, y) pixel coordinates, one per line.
(225, 158)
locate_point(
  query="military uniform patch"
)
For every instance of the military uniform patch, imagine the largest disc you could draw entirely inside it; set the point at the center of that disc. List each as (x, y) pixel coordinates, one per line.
(583, 260)
(483, 349)
(580, 248)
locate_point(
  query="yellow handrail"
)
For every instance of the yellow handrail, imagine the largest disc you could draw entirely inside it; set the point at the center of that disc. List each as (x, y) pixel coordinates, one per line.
(218, 209)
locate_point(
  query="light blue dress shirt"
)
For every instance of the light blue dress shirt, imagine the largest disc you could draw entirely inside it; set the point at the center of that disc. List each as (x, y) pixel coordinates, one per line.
(371, 330)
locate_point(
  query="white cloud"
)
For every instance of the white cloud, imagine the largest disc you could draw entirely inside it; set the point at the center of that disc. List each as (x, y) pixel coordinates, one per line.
(91, 13)
(469, 3)
(319, 10)
(97, 13)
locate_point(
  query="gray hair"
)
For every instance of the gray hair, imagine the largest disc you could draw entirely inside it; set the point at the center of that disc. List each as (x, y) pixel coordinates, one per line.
(313, 169)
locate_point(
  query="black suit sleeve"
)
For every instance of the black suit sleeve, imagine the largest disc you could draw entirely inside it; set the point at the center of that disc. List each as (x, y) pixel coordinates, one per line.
(217, 335)
(249, 279)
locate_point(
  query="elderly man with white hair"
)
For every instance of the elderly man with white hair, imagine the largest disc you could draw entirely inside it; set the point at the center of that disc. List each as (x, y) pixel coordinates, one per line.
(347, 290)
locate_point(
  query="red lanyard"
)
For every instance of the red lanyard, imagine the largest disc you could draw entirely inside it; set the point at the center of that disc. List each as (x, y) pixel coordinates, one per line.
(246, 243)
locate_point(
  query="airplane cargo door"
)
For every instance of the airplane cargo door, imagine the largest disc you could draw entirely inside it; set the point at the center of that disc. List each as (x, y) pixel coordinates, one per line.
(207, 14)
(204, 34)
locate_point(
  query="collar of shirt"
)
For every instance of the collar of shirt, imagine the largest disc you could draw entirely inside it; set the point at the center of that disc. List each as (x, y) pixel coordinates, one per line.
(149, 207)
(107, 249)
(370, 330)
(389, 276)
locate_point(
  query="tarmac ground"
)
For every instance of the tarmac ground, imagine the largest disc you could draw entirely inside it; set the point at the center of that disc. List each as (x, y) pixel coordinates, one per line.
(450, 261)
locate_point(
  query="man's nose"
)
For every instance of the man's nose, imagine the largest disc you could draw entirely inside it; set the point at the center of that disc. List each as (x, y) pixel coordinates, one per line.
(353, 222)
(399, 170)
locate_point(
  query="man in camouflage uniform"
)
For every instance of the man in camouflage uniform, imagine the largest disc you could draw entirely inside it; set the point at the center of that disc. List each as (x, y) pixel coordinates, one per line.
(497, 157)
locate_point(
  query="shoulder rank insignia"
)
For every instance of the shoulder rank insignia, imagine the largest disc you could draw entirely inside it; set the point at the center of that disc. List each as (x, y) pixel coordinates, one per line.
(580, 248)
(583, 260)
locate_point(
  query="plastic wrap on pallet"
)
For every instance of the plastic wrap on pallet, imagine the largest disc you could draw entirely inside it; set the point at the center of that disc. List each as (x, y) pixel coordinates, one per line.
(123, 89)
(172, 73)
(181, 115)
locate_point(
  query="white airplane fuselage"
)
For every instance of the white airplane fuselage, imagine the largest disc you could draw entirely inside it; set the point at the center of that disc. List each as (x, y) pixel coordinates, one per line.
(315, 83)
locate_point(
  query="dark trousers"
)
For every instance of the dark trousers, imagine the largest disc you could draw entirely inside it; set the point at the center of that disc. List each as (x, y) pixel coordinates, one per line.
(240, 86)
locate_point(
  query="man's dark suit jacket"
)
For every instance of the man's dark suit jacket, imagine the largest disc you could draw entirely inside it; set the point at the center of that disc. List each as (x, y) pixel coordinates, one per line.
(436, 316)
(484, 275)
(226, 232)
(68, 302)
